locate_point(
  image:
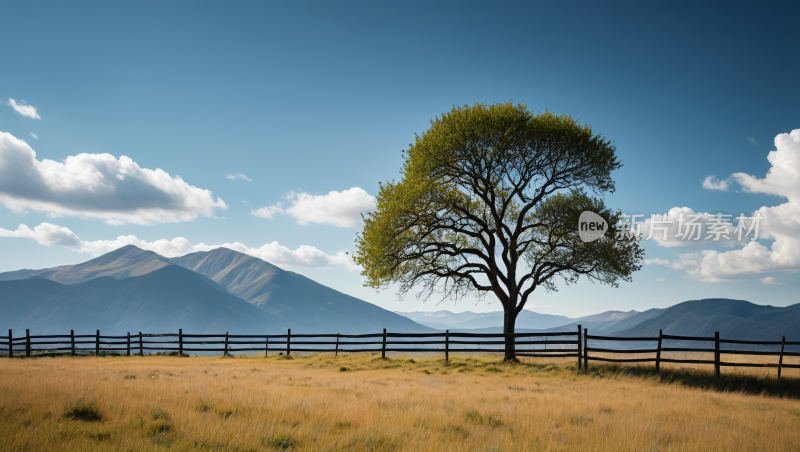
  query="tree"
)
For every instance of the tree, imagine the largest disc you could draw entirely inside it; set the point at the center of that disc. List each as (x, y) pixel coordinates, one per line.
(489, 201)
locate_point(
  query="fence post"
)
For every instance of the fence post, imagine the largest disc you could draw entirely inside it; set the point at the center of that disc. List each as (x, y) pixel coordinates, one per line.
(72, 341)
(27, 343)
(97, 344)
(180, 341)
(10, 345)
(141, 347)
(579, 347)
(780, 359)
(383, 348)
(447, 346)
(128, 348)
(716, 354)
(226, 345)
(266, 347)
(337, 345)
(658, 351)
(289, 342)
(585, 348)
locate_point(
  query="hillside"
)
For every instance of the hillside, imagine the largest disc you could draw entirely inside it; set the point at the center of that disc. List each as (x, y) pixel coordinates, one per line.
(308, 305)
(294, 300)
(158, 302)
(735, 319)
(478, 320)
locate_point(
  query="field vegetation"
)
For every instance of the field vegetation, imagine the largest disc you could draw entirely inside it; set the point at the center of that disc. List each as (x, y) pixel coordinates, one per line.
(365, 403)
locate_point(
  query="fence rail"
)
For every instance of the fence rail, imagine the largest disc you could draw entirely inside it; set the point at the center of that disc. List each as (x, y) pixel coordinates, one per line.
(717, 351)
(391, 342)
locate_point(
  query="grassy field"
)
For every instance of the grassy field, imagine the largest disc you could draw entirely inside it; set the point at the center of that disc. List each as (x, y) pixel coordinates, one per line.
(364, 403)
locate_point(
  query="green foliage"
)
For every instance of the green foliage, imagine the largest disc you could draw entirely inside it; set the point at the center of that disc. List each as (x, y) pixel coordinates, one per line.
(83, 410)
(489, 202)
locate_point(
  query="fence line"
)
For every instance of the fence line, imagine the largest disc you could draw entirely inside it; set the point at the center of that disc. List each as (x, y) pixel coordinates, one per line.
(717, 351)
(388, 342)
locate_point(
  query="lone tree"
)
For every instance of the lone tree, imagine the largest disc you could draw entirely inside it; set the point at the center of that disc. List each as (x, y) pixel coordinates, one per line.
(489, 201)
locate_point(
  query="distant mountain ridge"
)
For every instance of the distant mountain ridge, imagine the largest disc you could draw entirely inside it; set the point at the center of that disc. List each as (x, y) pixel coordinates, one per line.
(472, 320)
(130, 289)
(161, 301)
(293, 300)
(733, 319)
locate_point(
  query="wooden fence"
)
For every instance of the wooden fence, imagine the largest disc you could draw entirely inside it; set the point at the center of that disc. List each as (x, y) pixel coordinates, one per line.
(717, 351)
(567, 345)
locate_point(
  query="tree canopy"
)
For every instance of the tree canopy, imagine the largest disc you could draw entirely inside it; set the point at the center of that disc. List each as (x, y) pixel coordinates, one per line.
(489, 201)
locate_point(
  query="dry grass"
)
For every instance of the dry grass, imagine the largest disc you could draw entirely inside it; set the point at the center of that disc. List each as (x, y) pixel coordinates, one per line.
(364, 403)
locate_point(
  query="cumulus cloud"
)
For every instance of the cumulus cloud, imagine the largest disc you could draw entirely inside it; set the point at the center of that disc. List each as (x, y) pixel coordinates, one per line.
(342, 209)
(712, 183)
(267, 212)
(97, 186)
(682, 226)
(303, 257)
(780, 223)
(23, 108)
(236, 176)
(33, 135)
(46, 234)
(771, 281)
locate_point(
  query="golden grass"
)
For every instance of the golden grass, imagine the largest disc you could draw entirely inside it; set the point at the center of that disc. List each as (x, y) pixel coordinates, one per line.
(364, 403)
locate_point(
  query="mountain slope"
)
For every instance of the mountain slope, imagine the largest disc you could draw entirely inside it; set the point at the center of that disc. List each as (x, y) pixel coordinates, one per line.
(161, 301)
(475, 320)
(306, 304)
(734, 319)
(121, 263)
(302, 304)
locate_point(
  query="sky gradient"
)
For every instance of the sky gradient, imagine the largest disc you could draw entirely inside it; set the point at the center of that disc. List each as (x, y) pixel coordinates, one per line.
(281, 119)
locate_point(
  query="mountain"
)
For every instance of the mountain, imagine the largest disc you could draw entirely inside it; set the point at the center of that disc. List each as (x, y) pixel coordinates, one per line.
(121, 263)
(608, 323)
(301, 301)
(161, 301)
(475, 320)
(296, 301)
(734, 319)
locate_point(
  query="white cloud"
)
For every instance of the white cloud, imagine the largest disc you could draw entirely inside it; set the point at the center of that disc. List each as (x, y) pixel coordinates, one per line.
(752, 141)
(267, 212)
(24, 108)
(96, 186)
(781, 223)
(771, 281)
(656, 261)
(682, 226)
(304, 256)
(46, 234)
(712, 183)
(342, 209)
(33, 135)
(661, 279)
(236, 176)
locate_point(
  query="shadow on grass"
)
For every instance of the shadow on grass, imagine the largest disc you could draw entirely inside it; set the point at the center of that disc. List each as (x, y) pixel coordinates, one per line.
(703, 379)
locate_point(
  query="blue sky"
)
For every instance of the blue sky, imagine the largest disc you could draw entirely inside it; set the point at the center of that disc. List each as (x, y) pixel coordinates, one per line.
(310, 98)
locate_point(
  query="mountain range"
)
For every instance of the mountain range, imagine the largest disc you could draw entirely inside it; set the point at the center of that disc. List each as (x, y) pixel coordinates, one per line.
(132, 290)
(733, 319)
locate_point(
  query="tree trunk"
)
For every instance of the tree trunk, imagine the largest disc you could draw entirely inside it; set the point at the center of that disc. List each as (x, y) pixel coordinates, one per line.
(510, 319)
